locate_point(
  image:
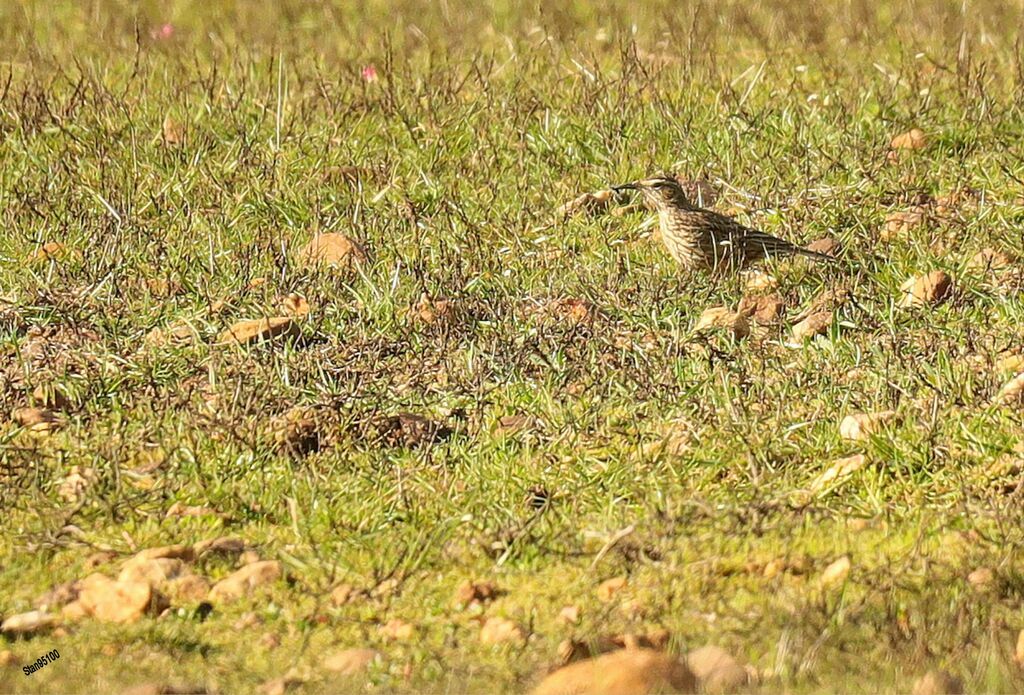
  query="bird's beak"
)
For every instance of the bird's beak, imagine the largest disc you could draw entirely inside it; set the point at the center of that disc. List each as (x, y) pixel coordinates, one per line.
(625, 187)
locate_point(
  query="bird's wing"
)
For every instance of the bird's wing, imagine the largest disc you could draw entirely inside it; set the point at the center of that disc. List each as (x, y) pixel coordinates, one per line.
(774, 246)
(771, 245)
(729, 231)
(726, 229)
(754, 242)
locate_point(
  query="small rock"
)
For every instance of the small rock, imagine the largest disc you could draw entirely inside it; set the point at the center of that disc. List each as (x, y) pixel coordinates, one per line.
(817, 323)
(396, 629)
(982, 579)
(50, 251)
(190, 588)
(860, 426)
(117, 602)
(773, 568)
(1012, 390)
(73, 486)
(676, 439)
(247, 332)
(587, 203)
(41, 420)
(717, 670)
(155, 572)
(569, 615)
(349, 662)
(913, 139)
(50, 396)
(27, 623)
(181, 509)
(625, 672)
(73, 612)
(185, 553)
(569, 311)
(825, 245)
(409, 430)
(1010, 362)
(722, 317)
(838, 471)
(836, 573)
(332, 249)
(248, 557)
(295, 305)
(514, 423)
(607, 589)
(296, 430)
(247, 621)
(341, 594)
(176, 334)
(759, 281)
(929, 289)
(244, 580)
(899, 223)
(859, 524)
(938, 683)
(433, 310)
(225, 545)
(386, 588)
(990, 259)
(764, 309)
(469, 593)
(501, 630)
(173, 131)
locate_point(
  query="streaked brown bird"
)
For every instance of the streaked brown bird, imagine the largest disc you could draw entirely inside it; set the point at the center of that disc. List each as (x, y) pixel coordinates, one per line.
(700, 239)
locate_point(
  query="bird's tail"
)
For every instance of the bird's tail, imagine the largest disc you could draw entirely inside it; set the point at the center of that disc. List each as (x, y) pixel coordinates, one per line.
(814, 255)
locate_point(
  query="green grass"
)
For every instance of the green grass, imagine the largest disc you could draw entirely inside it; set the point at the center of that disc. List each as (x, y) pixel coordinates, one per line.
(482, 122)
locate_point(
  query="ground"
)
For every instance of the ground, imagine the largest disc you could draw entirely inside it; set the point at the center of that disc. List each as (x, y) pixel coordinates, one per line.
(482, 388)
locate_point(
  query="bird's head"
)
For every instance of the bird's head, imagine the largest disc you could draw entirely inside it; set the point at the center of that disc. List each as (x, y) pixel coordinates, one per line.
(660, 191)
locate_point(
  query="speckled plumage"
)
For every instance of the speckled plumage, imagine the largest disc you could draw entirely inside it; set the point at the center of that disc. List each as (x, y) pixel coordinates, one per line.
(700, 239)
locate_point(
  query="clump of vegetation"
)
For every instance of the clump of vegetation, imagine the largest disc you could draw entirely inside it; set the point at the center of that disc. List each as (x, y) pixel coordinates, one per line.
(332, 362)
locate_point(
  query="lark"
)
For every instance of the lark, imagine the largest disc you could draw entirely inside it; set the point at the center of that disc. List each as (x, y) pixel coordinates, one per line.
(700, 239)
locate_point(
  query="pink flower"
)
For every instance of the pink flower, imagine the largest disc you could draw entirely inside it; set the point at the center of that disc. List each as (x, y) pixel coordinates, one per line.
(369, 73)
(162, 32)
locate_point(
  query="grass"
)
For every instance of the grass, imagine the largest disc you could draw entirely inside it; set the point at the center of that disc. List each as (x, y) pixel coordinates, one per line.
(484, 120)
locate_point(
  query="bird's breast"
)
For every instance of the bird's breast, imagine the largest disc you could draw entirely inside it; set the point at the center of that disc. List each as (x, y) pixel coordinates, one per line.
(682, 239)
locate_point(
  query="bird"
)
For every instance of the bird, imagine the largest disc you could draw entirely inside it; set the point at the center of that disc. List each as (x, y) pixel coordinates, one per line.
(700, 239)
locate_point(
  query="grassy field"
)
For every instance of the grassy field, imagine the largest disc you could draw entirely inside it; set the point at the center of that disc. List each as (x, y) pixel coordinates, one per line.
(494, 392)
